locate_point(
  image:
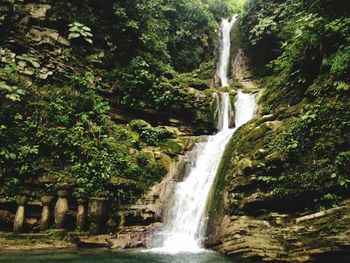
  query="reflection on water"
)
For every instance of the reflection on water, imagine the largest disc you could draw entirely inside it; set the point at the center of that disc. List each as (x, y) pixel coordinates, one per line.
(110, 257)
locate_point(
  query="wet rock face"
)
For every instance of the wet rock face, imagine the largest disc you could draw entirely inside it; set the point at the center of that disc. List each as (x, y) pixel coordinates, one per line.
(286, 238)
(28, 34)
(130, 238)
(97, 214)
(259, 223)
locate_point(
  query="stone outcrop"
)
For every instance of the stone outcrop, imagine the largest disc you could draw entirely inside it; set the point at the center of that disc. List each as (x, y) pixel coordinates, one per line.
(97, 214)
(36, 241)
(137, 222)
(132, 237)
(251, 220)
(37, 11)
(287, 237)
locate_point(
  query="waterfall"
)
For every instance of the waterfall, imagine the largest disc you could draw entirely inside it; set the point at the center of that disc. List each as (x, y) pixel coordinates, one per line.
(185, 221)
(225, 48)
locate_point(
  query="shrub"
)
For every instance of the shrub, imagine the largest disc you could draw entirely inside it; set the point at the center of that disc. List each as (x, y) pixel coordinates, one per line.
(78, 30)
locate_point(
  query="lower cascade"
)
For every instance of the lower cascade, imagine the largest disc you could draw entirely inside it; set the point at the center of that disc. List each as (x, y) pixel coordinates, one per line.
(185, 221)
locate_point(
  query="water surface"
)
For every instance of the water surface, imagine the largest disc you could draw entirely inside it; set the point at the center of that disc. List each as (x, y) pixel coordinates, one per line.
(110, 257)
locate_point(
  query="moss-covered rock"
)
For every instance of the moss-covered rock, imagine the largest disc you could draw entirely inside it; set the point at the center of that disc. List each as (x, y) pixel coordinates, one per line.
(172, 147)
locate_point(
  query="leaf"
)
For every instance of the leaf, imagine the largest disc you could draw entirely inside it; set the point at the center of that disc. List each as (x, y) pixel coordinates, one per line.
(6, 87)
(12, 156)
(77, 24)
(35, 64)
(73, 35)
(13, 97)
(86, 28)
(18, 116)
(22, 57)
(22, 63)
(74, 28)
(20, 91)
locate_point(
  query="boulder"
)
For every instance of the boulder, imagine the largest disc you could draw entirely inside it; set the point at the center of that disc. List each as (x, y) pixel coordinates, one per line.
(47, 36)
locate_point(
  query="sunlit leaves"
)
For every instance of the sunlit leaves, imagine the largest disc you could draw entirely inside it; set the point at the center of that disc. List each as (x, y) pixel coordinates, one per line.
(79, 30)
(266, 26)
(12, 93)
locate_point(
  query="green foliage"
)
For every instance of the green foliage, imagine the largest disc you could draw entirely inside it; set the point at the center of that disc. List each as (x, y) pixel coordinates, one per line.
(327, 201)
(154, 136)
(314, 143)
(342, 161)
(305, 41)
(78, 30)
(301, 49)
(146, 42)
(80, 145)
(139, 125)
(266, 26)
(140, 89)
(193, 82)
(24, 59)
(171, 147)
(186, 31)
(225, 8)
(148, 134)
(340, 62)
(60, 128)
(12, 93)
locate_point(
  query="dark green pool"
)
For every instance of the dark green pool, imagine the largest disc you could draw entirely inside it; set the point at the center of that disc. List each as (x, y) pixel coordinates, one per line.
(110, 257)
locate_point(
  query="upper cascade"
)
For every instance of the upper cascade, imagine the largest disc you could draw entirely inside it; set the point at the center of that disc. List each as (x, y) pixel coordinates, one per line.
(225, 48)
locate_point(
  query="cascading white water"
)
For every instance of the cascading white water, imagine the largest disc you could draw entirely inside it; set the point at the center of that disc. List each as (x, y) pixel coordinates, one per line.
(184, 228)
(225, 48)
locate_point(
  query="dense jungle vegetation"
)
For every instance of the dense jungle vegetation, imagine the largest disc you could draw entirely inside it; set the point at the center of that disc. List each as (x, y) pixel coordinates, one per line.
(57, 95)
(301, 49)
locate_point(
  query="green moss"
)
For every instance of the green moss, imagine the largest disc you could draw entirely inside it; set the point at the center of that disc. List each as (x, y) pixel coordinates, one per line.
(236, 85)
(216, 202)
(139, 125)
(171, 147)
(206, 70)
(194, 82)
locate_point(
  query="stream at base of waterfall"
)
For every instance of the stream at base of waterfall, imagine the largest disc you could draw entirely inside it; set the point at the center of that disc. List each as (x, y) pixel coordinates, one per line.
(185, 221)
